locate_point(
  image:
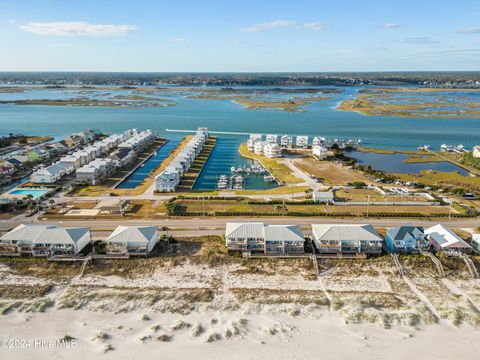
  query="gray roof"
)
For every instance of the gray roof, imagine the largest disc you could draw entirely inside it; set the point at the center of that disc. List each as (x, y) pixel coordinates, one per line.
(338, 232)
(262, 231)
(50, 234)
(133, 234)
(401, 232)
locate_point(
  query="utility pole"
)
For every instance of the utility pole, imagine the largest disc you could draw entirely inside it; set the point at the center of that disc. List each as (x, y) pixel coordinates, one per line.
(368, 205)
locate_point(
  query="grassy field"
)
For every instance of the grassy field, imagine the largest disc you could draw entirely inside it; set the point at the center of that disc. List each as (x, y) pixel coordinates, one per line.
(282, 190)
(330, 173)
(447, 179)
(275, 166)
(363, 194)
(242, 206)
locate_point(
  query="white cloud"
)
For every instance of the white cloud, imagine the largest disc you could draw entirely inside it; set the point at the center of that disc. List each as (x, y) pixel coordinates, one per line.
(391, 26)
(77, 28)
(177, 40)
(269, 26)
(471, 31)
(419, 40)
(316, 25)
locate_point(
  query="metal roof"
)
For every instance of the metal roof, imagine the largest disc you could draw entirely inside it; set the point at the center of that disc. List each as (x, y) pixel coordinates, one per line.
(445, 237)
(262, 231)
(401, 232)
(338, 232)
(133, 234)
(50, 234)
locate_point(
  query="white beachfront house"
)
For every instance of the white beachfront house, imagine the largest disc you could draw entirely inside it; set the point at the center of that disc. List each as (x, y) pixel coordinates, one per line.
(70, 160)
(319, 152)
(252, 140)
(272, 138)
(168, 180)
(346, 239)
(132, 240)
(476, 151)
(259, 238)
(272, 150)
(286, 141)
(44, 240)
(302, 141)
(441, 238)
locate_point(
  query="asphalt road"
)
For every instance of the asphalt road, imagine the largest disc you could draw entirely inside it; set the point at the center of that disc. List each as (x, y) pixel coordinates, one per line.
(216, 225)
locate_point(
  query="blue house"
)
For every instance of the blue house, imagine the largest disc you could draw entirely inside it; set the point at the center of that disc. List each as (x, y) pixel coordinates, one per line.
(405, 239)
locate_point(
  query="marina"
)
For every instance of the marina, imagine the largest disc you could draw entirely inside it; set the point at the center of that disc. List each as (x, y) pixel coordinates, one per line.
(144, 169)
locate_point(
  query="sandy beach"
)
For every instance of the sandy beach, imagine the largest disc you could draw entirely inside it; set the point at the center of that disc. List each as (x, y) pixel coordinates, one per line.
(264, 336)
(209, 305)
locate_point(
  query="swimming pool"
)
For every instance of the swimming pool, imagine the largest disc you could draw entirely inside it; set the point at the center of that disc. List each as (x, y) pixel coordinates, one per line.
(36, 193)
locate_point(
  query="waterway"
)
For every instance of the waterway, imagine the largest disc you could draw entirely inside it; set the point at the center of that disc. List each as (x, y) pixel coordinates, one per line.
(136, 178)
(394, 163)
(320, 119)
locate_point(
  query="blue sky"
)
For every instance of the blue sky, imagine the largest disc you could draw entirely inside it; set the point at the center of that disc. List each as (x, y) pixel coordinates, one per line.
(301, 35)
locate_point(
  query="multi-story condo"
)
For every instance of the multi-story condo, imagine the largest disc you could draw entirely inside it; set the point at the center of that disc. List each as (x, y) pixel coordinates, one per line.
(254, 138)
(272, 151)
(319, 152)
(286, 141)
(168, 180)
(476, 151)
(405, 239)
(302, 141)
(51, 174)
(258, 238)
(258, 147)
(318, 141)
(346, 239)
(272, 138)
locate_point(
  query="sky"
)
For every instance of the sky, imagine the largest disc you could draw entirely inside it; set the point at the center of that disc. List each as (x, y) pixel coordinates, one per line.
(239, 36)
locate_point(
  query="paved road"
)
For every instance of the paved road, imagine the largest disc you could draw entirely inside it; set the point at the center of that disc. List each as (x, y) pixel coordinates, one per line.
(194, 225)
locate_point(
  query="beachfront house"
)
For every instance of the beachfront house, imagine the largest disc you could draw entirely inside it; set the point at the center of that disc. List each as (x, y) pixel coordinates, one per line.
(441, 238)
(346, 239)
(323, 197)
(476, 151)
(286, 141)
(132, 240)
(167, 180)
(302, 141)
(272, 138)
(70, 160)
(406, 239)
(252, 140)
(44, 240)
(476, 242)
(319, 152)
(262, 239)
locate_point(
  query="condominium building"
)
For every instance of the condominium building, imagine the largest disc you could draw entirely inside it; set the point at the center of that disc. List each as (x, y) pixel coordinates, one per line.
(258, 238)
(286, 141)
(302, 141)
(346, 239)
(319, 152)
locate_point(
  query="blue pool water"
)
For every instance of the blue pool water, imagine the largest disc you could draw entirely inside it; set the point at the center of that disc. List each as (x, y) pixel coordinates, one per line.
(151, 164)
(225, 155)
(36, 193)
(394, 163)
